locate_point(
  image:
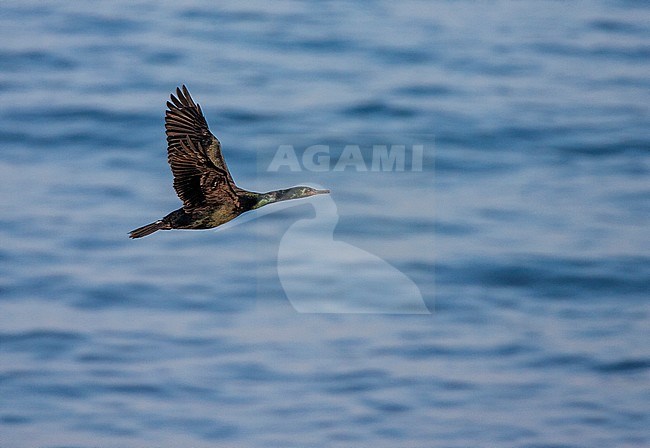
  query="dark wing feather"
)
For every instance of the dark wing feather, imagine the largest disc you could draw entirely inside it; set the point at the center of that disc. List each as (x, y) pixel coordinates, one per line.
(201, 176)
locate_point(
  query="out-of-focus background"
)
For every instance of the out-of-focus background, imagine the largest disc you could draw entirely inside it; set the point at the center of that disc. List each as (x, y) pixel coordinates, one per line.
(526, 230)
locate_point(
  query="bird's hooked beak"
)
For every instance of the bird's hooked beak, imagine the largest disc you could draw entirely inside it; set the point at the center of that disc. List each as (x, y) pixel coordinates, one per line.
(320, 192)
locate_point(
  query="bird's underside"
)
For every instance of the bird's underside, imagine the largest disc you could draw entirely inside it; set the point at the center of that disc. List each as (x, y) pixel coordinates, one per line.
(201, 177)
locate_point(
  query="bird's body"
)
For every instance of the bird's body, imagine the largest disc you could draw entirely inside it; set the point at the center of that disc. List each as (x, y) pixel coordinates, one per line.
(201, 177)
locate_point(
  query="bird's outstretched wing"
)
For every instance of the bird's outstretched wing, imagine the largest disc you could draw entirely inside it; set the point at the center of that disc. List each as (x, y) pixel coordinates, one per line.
(201, 176)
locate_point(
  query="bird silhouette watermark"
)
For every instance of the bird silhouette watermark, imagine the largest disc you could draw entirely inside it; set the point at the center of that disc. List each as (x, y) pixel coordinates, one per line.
(322, 275)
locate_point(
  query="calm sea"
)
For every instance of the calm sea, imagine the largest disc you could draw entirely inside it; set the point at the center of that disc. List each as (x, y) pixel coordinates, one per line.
(524, 225)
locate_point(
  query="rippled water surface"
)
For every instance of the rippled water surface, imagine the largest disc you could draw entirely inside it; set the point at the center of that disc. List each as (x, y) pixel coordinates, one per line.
(525, 230)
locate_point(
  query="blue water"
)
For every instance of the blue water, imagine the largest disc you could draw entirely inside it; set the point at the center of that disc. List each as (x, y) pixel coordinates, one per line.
(525, 231)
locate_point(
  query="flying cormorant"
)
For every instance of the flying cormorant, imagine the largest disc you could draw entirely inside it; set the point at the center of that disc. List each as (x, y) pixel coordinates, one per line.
(201, 177)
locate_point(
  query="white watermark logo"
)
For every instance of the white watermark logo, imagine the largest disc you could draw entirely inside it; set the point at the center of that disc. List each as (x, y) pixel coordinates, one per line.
(319, 271)
(376, 158)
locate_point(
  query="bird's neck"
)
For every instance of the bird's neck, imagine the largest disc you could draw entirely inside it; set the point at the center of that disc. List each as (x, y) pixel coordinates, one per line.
(275, 196)
(264, 199)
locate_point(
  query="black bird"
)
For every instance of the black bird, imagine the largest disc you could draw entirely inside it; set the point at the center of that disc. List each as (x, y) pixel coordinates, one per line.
(201, 177)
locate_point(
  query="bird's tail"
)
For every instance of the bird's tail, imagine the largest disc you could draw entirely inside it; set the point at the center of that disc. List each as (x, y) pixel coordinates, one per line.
(148, 229)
